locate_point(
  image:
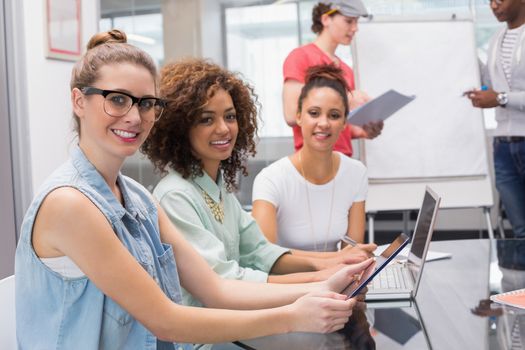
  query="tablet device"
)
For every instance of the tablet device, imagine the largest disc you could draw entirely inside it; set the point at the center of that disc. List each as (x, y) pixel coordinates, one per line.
(381, 261)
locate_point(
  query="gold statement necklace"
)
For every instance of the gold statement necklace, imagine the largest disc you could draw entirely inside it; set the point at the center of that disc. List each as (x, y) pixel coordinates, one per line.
(310, 219)
(217, 209)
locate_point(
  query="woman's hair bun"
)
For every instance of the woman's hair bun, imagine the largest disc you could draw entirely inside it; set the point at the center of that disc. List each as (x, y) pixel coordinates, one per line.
(325, 71)
(112, 36)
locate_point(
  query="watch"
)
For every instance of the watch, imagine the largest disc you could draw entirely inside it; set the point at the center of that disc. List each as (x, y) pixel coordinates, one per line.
(502, 99)
(349, 241)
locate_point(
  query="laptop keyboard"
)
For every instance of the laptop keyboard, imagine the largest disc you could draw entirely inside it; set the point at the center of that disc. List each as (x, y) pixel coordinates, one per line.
(392, 277)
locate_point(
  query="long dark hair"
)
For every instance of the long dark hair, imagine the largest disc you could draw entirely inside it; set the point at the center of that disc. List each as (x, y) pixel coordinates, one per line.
(187, 86)
(324, 75)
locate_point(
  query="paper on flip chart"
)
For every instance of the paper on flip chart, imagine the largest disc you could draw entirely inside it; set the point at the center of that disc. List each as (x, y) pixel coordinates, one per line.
(380, 108)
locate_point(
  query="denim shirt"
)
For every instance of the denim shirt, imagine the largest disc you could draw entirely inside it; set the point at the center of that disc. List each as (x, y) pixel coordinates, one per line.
(55, 312)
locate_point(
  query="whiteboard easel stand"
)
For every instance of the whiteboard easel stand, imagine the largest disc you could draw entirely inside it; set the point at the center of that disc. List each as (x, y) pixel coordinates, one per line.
(406, 214)
(406, 219)
(371, 216)
(486, 210)
(398, 177)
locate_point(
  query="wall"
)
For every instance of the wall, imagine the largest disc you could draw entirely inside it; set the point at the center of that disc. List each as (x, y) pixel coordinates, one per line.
(212, 40)
(192, 28)
(35, 112)
(47, 91)
(181, 27)
(7, 214)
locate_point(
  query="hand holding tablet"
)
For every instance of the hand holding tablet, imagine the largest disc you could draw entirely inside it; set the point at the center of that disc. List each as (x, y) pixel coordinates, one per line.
(376, 266)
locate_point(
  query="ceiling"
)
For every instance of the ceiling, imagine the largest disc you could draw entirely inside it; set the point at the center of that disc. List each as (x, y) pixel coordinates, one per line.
(111, 8)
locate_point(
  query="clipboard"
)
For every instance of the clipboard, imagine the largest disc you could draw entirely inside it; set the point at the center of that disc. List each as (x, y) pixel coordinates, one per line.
(380, 108)
(515, 298)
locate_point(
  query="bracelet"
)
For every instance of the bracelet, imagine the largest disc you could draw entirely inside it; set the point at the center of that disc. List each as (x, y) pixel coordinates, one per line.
(349, 241)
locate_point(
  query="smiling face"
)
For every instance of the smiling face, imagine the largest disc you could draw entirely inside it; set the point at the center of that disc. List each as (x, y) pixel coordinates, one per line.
(322, 118)
(510, 11)
(103, 134)
(213, 137)
(340, 28)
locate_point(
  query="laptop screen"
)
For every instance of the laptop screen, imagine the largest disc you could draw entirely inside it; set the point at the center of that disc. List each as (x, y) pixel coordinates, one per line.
(424, 228)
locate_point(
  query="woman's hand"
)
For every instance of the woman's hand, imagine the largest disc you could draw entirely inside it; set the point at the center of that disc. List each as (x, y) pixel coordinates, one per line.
(344, 259)
(365, 250)
(320, 312)
(373, 129)
(324, 274)
(369, 131)
(342, 278)
(352, 254)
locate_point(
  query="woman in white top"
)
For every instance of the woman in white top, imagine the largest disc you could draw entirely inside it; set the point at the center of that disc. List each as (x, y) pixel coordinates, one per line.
(123, 243)
(315, 198)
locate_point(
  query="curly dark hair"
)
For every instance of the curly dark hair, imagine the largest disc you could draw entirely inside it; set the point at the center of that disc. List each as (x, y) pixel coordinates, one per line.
(319, 10)
(324, 75)
(187, 86)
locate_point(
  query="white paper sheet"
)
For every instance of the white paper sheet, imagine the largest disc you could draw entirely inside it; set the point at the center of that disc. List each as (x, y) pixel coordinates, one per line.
(380, 108)
(431, 255)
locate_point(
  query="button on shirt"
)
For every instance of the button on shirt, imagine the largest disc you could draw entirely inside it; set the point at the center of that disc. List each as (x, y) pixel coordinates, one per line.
(236, 248)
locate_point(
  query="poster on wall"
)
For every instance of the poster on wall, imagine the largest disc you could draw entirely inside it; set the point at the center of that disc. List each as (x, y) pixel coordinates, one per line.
(63, 29)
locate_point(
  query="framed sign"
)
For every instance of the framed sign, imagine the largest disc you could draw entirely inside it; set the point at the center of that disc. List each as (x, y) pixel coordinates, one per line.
(63, 22)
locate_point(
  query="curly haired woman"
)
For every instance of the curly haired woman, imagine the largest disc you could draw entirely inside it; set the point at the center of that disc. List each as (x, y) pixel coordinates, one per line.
(100, 266)
(205, 135)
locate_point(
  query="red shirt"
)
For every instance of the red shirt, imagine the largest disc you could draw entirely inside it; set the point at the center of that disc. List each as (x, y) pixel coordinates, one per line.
(294, 68)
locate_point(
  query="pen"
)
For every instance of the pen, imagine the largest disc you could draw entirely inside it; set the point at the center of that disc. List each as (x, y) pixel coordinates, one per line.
(482, 88)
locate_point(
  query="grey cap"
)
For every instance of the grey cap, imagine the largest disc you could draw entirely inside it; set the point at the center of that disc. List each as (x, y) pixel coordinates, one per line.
(349, 8)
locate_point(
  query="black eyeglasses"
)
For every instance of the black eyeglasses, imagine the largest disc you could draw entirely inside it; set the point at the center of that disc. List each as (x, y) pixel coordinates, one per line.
(117, 103)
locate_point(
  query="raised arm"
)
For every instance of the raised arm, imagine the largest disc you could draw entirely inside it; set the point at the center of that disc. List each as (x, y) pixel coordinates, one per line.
(370, 130)
(68, 223)
(488, 99)
(356, 231)
(266, 216)
(291, 92)
(356, 222)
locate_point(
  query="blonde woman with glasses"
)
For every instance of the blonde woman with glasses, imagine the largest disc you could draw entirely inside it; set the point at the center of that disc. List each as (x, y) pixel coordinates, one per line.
(100, 266)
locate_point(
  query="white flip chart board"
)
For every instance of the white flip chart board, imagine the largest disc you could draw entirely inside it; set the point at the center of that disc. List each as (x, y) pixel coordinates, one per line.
(439, 138)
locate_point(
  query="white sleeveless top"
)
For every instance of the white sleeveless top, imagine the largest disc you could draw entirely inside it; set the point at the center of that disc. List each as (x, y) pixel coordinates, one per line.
(64, 266)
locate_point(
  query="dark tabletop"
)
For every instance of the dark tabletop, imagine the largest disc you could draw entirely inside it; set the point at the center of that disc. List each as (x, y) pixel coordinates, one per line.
(451, 309)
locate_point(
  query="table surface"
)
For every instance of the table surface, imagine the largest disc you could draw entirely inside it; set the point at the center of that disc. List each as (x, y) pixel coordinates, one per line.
(450, 311)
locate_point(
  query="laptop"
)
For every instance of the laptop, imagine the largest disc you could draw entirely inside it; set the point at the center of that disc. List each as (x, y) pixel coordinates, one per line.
(400, 280)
